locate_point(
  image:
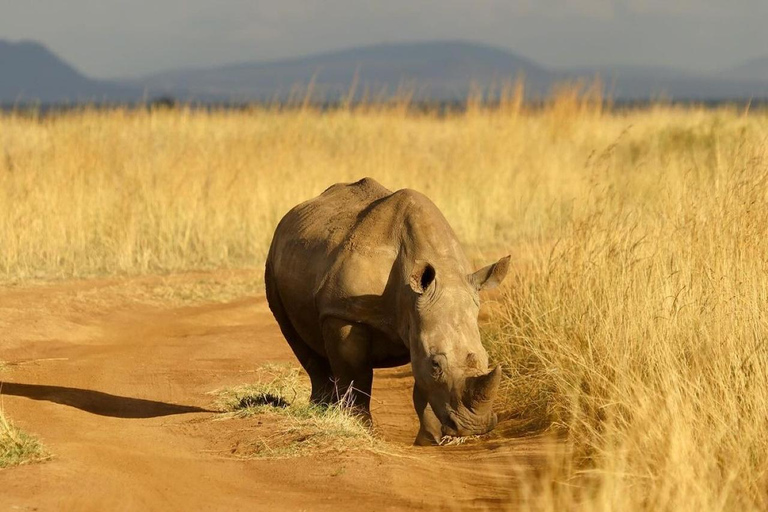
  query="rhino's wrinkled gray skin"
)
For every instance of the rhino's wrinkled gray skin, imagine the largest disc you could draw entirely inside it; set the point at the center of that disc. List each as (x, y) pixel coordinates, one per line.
(361, 278)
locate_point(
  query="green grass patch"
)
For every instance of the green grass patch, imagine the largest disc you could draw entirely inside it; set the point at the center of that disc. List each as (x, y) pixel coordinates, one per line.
(17, 447)
(297, 427)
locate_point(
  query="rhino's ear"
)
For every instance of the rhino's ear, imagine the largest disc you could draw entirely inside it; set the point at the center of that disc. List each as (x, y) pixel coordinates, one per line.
(422, 277)
(491, 276)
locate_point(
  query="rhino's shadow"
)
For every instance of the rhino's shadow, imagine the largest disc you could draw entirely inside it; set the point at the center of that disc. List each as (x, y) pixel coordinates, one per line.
(97, 402)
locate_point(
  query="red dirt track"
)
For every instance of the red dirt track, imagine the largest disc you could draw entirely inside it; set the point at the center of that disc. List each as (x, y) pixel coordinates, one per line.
(118, 390)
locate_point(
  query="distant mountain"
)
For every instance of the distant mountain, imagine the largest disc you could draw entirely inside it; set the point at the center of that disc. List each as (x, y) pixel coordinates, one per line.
(624, 82)
(755, 69)
(29, 72)
(436, 70)
(439, 70)
(630, 71)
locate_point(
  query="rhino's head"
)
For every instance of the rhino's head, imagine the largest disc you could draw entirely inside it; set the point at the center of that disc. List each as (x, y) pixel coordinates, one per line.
(449, 363)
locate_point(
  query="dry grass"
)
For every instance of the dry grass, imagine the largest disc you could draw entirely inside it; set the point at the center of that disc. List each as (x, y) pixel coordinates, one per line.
(641, 330)
(634, 319)
(282, 392)
(131, 192)
(17, 447)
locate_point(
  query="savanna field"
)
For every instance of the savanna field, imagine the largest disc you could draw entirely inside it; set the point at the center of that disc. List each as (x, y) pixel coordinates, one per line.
(633, 323)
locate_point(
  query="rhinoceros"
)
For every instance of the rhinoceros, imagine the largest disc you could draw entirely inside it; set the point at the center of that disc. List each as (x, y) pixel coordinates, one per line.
(361, 278)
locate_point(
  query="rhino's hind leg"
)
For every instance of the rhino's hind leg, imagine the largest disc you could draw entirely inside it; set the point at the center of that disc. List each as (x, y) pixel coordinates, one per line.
(347, 345)
(316, 366)
(320, 375)
(430, 429)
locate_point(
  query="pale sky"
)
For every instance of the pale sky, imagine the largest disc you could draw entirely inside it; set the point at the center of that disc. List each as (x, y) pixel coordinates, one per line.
(120, 38)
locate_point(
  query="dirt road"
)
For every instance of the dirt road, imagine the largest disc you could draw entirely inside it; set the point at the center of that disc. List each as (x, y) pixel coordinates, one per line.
(118, 391)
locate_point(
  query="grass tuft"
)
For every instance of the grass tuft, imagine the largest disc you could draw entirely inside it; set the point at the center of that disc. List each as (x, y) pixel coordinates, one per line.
(300, 428)
(17, 447)
(250, 401)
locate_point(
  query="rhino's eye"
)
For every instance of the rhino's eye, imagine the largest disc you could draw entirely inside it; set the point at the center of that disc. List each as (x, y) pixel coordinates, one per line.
(437, 362)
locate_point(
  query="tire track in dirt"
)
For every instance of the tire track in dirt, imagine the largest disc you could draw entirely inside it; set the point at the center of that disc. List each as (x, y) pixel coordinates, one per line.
(118, 391)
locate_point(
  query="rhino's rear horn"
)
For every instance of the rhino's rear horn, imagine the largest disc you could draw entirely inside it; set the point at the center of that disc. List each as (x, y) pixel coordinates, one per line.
(481, 390)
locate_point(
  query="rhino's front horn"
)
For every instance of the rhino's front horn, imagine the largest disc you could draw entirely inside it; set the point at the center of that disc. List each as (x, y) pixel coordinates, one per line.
(481, 390)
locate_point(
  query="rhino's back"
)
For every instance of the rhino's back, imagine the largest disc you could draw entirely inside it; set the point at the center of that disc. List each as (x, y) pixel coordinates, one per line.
(301, 254)
(326, 220)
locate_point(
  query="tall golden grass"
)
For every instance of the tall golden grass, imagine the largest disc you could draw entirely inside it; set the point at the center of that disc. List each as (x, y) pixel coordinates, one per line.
(105, 192)
(634, 320)
(642, 334)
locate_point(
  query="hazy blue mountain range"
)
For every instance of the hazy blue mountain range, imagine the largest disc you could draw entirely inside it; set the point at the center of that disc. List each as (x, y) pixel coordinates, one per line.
(434, 70)
(641, 82)
(29, 72)
(439, 71)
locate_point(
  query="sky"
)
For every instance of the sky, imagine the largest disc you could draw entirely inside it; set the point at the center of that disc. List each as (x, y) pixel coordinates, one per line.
(128, 38)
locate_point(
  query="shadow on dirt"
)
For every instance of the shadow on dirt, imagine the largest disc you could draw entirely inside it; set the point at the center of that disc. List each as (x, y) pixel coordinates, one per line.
(96, 402)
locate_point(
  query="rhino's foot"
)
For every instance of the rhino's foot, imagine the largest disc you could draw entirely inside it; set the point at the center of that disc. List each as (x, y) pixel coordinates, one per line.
(363, 415)
(322, 396)
(426, 438)
(430, 429)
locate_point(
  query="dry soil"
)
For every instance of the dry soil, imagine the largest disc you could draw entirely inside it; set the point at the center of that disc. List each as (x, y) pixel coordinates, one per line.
(118, 387)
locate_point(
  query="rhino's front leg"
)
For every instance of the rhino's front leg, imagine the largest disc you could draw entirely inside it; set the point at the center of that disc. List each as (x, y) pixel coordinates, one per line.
(347, 346)
(430, 430)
